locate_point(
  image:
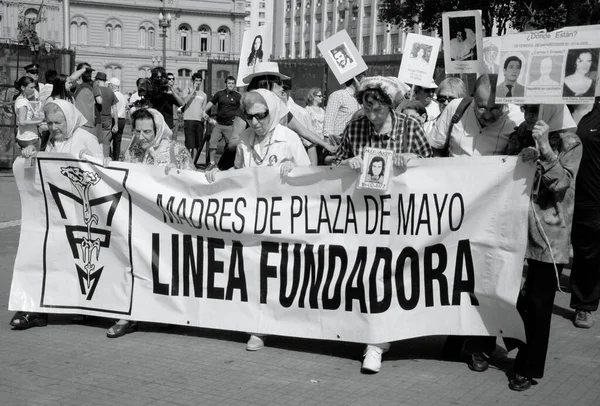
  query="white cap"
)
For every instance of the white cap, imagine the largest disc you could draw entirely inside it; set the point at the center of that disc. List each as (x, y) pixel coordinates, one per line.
(115, 82)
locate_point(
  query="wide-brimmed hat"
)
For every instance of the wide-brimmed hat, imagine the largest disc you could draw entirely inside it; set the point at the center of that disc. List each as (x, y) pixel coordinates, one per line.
(265, 68)
(101, 76)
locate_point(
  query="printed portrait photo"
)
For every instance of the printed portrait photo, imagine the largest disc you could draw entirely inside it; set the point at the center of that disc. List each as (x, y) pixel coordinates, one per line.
(491, 60)
(581, 72)
(463, 42)
(256, 52)
(376, 172)
(510, 79)
(420, 55)
(343, 57)
(545, 70)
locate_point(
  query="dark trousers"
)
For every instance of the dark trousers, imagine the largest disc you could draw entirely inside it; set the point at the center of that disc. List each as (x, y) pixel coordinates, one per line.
(585, 274)
(45, 137)
(535, 307)
(115, 148)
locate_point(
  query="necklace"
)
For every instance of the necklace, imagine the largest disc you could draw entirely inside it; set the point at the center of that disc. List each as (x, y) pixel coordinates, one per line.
(258, 160)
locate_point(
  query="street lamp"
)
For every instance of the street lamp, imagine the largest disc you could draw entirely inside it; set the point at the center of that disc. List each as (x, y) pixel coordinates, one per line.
(165, 24)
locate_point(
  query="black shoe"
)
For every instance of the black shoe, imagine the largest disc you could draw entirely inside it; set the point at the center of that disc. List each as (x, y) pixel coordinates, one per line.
(23, 321)
(520, 383)
(478, 362)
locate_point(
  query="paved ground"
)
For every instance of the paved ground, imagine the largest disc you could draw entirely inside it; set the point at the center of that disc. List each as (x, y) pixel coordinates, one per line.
(71, 364)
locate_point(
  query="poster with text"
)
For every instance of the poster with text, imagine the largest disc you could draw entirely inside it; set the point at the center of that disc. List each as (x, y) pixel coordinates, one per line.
(256, 48)
(376, 169)
(342, 56)
(463, 41)
(491, 54)
(549, 68)
(418, 61)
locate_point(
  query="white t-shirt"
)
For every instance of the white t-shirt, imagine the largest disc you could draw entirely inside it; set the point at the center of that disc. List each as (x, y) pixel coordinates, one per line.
(121, 104)
(285, 145)
(26, 132)
(433, 111)
(468, 138)
(194, 110)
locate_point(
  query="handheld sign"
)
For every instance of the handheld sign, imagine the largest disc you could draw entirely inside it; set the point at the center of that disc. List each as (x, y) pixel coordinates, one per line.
(376, 169)
(491, 54)
(418, 61)
(256, 48)
(558, 67)
(342, 56)
(462, 41)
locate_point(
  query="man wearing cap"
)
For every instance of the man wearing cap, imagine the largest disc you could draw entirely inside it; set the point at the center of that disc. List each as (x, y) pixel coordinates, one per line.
(86, 95)
(340, 107)
(228, 102)
(114, 84)
(33, 71)
(425, 96)
(108, 113)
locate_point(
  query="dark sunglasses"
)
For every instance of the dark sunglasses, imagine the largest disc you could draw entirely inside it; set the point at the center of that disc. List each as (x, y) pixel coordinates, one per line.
(171, 78)
(258, 116)
(444, 99)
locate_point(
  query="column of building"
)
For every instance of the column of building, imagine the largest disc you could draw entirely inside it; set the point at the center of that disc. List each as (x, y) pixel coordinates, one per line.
(302, 29)
(373, 39)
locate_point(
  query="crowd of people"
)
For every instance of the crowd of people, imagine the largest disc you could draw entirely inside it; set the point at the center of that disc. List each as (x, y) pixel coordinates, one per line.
(266, 127)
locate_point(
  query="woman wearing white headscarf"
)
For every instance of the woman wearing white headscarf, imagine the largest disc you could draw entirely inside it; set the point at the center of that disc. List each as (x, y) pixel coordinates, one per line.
(547, 135)
(266, 143)
(66, 136)
(151, 144)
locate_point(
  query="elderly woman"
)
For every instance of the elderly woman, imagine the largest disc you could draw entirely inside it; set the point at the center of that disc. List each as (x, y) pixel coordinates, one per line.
(151, 145)
(66, 136)
(449, 89)
(265, 143)
(381, 127)
(545, 136)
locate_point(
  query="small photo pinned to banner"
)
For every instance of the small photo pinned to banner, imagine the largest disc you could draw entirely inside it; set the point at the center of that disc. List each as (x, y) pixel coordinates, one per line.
(376, 169)
(418, 61)
(256, 49)
(463, 41)
(342, 56)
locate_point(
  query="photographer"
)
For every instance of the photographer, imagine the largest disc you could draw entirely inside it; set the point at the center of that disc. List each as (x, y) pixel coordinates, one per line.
(161, 95)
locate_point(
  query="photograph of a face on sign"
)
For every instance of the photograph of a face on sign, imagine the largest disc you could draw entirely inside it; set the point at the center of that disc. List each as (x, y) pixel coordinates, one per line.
(463, 41)
(377, 169)
(342, 56)
(418, 61)
(256, 48)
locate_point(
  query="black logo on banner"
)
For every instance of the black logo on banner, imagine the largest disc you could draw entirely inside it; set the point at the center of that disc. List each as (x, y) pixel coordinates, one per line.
(88, 238)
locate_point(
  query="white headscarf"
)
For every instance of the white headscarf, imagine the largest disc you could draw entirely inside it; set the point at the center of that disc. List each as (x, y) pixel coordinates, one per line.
(277, 109)
(73, 116)
(557, 116)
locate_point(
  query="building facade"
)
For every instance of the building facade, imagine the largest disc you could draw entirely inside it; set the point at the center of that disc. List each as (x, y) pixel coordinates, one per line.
(259, 12)
(299, 25)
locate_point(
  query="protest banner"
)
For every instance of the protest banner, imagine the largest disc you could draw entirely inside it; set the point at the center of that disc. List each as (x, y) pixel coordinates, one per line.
(418, 61)
(342, 56)
(256, 48)
(309, 255)
(463, 44)
(559, 67)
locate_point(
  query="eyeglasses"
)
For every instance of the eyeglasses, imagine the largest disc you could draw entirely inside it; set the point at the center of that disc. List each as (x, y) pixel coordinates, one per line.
(258, 116)
(493, 110)
(171, 78)
(444, 99)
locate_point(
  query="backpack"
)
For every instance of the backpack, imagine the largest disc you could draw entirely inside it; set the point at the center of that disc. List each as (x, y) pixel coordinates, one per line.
(460, 111)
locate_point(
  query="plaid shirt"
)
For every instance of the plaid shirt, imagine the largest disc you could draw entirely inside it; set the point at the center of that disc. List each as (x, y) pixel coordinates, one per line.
(359, 133)
(340, 107)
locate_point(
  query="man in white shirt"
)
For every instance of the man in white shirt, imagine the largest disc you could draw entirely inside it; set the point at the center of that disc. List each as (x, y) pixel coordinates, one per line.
(193, 120)
(122, 108)
(483, 128)
(425, 96)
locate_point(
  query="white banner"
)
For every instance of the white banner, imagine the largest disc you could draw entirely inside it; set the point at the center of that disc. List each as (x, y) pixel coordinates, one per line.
(559, 67)
(440, 252)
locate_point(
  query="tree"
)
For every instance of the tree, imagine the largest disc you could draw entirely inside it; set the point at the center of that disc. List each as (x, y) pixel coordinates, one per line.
(496, 15)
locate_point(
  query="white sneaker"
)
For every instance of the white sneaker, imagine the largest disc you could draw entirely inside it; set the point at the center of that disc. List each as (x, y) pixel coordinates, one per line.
(372, 357)
(255, 343)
